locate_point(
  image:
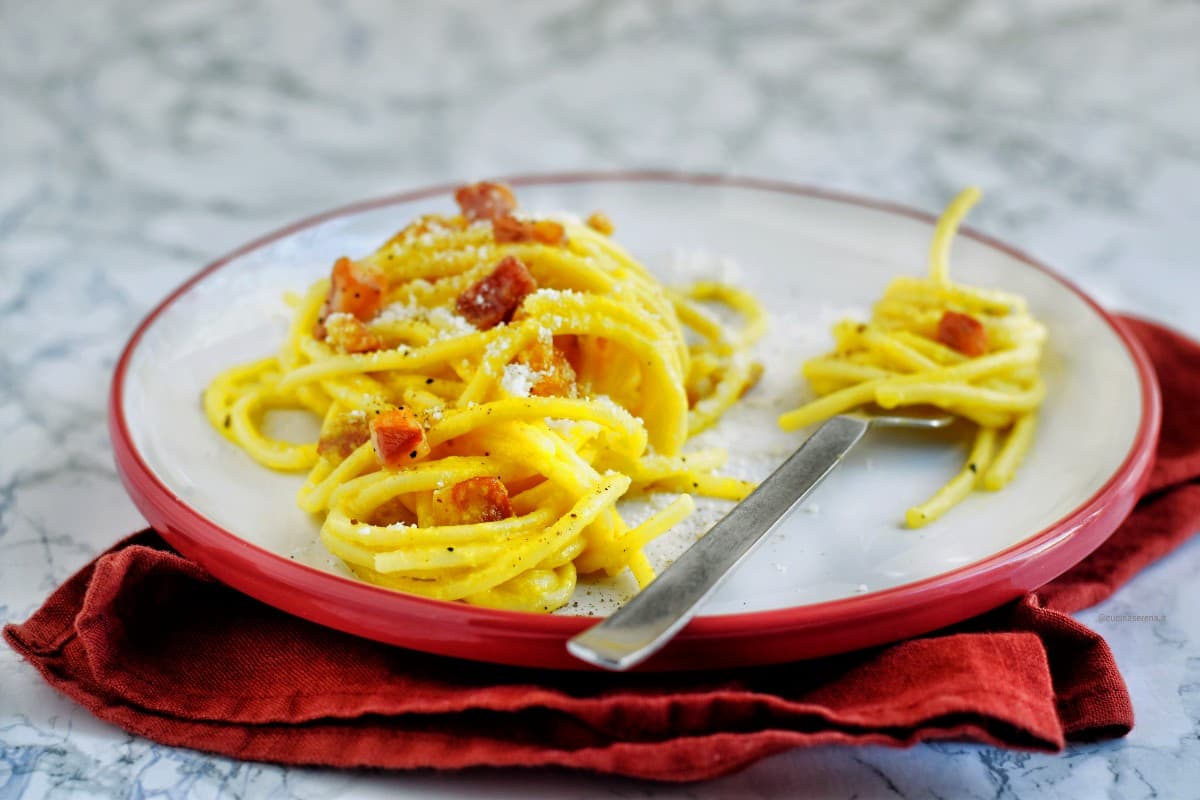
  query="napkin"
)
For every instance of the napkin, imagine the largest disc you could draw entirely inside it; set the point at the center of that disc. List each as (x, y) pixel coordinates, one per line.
(146, 640)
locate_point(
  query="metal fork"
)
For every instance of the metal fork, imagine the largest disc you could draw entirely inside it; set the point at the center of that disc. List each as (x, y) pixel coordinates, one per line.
(646, 623)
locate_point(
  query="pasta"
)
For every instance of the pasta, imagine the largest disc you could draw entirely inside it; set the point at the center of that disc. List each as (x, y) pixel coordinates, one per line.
(969, 351)
(490, 385)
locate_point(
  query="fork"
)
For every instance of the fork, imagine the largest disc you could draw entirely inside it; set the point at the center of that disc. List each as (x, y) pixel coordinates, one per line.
(646, 623)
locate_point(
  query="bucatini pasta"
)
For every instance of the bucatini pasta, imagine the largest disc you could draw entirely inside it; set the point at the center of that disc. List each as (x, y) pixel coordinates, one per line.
(930, 341)
(490, 384)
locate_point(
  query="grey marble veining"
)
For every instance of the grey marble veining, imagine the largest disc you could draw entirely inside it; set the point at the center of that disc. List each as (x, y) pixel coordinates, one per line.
(139, 141)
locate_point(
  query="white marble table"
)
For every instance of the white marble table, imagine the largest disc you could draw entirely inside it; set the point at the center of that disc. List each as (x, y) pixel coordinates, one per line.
(138, 141)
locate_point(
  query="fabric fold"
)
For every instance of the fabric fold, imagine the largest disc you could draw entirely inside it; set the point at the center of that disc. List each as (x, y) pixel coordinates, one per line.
(147, 640)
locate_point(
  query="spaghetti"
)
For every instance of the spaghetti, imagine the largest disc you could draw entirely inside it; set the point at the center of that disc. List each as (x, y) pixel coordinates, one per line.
(490, 384)
(930, 341)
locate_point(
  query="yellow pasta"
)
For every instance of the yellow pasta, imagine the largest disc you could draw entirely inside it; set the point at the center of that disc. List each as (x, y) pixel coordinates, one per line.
(970, 351)
(490, 385)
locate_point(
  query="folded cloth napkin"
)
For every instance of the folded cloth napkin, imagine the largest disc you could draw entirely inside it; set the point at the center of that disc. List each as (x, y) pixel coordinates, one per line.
(148, 641)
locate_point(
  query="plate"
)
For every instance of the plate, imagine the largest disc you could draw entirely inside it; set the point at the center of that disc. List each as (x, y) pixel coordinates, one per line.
(839, 575)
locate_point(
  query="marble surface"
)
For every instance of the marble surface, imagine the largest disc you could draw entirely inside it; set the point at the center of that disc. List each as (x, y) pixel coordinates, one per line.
(138, 141)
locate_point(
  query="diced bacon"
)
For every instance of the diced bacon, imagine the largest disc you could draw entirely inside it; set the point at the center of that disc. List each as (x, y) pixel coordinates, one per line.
(392, 511)
(342, 434)
(510, 230)
(568, 345)
(963, 333)
(485, 200)
(600, 223)
(348, 334)
(555, 376)
(471, 501)
(398, 437)
(493, 299)
(354, 289)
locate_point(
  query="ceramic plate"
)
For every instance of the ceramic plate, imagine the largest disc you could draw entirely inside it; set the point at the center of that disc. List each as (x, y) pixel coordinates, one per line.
(841, 574)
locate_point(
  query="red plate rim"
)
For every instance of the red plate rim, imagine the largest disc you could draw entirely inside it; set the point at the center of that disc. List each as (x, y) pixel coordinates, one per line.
(536, 639)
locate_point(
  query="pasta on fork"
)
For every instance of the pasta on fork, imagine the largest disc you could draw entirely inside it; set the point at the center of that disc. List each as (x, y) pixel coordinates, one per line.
(931, 341)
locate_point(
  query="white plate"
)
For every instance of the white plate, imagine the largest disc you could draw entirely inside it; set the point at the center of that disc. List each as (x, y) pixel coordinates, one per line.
(809, 257)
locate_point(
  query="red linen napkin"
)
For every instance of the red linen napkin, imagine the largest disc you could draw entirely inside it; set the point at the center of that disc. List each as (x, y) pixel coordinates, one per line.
(148, 641)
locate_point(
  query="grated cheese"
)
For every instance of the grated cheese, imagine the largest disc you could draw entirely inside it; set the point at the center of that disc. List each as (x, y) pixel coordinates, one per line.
(519, 379)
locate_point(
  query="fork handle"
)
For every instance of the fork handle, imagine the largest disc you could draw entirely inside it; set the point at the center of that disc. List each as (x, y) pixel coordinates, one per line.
(647, 622)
